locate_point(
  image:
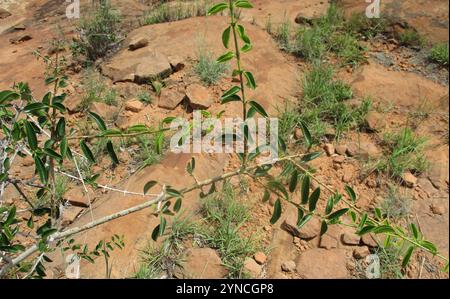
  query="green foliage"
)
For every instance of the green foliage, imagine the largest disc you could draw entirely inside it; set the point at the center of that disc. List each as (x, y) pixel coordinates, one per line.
(159, 260)
(405, 151)
(323, 104)
(176, 10)
(365, 27)
(145, 97)
(208, 69)
(439, 54)
(96, 90)
(412, 38)
(225, 215)
(348, 49)
(98, 33)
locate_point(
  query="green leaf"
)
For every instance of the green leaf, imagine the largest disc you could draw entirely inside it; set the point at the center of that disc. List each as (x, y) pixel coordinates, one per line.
(112, 153)
(306, 134)
(245, 48)
(266, 196)
(313, 200)
(383, 229)
(351, 193)
(87, 152)
(276, 212)
(293, 182)
(430, 246)
(159, 142)
(367, 229)
(149, 185)
(312, 156)
(174, 193)
(100, 123)
(7, 96)
(304, 221)
(258, 108)
(231, 92)
(215, 9)
(233, 98)
(250, 80)
(305, 190)
(414, 230)
(61, 127)
(31, 135)
(330, 205)
(162, 226)
(177, 205)
(407, 257)
(226, 37)
(34, 107)
(243, 4)
(155, 233)
(300, 215)
(323, 227)
(53, 154)
(191, 166)
(225, 57)
(242, 35)
(336, 215)
(42, 171)
(11, 216)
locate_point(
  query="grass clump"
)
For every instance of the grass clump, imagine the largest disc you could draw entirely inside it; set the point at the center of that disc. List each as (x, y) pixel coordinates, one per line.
(98, 33)
(348, 49)
(163, 260)
(365, 27)
(95, 90)
(405, 152)
(439, 54)
(396, 206)
(224, 216)
(174, 11)
(208, 69)
(327, 34)
(411, 38)
(323, 105)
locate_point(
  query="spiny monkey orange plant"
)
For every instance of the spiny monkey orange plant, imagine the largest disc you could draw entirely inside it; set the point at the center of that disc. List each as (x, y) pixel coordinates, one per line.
(37, 127)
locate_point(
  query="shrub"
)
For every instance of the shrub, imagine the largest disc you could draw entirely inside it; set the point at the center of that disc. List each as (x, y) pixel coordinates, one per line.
(208, 69)
(368, 28)
(98, 33)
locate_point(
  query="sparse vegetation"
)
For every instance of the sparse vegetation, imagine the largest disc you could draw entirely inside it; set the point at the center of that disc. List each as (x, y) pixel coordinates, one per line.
(145, 97)
(405, 151)
(96, 90)
(367, 28)
(170, 11)
(412, 38)
(323, 105)
(327, 34)
(396, 205)
(99, 33)
(439, 54)
(224, 217)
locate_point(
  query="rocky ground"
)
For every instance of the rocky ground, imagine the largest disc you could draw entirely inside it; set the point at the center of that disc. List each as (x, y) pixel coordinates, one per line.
(406, 90)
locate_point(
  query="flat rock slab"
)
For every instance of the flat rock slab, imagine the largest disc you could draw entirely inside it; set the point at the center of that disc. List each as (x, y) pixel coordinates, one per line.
(320, 263)
(139, 66)
(202, 263)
